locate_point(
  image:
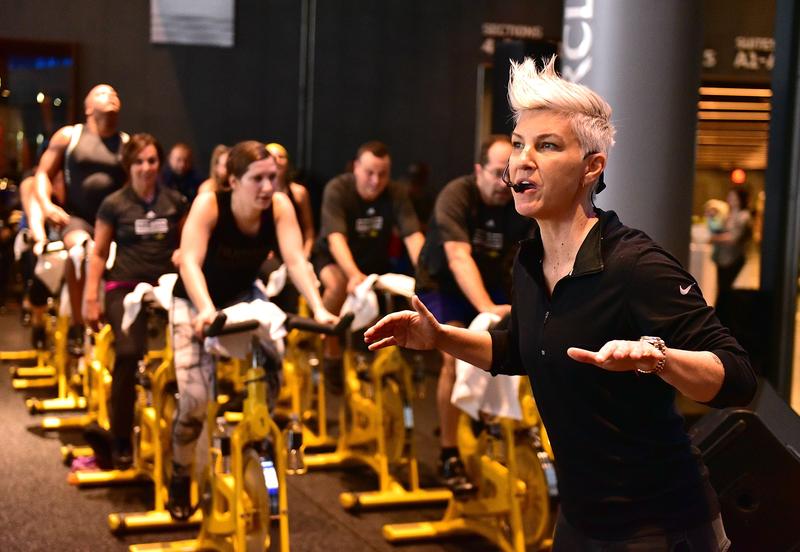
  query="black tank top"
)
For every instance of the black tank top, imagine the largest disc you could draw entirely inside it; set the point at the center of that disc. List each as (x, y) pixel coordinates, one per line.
(92, 172)
(233, 258)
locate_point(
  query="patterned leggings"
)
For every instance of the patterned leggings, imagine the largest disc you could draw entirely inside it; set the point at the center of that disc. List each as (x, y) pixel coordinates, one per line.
(194, 370)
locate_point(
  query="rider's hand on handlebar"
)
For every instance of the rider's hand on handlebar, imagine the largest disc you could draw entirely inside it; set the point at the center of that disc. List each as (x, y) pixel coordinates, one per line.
(324, 317)
(413, 330)
(38, 248)
(92, 313)
(204, 318)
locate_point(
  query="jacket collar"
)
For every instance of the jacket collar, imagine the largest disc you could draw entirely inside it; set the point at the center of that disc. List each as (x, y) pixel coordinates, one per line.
(590, 255)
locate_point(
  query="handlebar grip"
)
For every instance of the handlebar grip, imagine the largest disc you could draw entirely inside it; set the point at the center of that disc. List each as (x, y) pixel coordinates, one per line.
(54, 246)
(310, 325)
(219, 327)
(213, 329)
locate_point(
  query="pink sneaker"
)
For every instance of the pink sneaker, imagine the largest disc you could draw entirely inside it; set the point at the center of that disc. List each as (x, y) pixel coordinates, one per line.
(84, 463)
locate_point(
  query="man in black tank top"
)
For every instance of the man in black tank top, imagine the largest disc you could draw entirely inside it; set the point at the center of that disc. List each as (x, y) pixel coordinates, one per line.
(89, 155)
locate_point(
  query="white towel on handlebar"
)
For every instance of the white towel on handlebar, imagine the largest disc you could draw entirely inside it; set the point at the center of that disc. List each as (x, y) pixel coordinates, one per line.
(476, 391)
(363, 302)
(22, 243)
(162, 294)
(79, 253)
(50, 269)
(276, 281)
(270, 332)
(399, 284)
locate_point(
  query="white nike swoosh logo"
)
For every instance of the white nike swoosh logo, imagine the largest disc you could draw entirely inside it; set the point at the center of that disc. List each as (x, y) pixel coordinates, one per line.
(685, 290)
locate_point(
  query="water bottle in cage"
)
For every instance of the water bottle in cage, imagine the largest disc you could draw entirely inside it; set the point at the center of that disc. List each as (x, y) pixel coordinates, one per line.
(295, 465)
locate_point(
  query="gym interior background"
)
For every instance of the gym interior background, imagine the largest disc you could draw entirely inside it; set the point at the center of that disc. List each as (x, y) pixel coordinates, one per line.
(323, 77)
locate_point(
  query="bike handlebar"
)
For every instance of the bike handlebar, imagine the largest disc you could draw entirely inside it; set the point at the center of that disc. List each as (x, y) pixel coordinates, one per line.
(219, 326)
(294, 321)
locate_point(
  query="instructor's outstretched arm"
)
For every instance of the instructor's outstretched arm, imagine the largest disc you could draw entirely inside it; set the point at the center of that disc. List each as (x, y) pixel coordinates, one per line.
(419, 329)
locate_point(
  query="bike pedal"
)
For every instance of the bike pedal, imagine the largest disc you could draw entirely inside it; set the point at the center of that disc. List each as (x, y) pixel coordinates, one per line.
(464, 492)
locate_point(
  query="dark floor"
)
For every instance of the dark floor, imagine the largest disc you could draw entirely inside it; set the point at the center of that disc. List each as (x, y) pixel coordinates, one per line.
(41, 511)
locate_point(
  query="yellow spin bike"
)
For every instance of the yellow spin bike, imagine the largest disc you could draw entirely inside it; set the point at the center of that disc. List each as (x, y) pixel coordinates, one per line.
(302, 395)
(244, 487)
(376, 429)
(511, 463)
(43, 373)
(154, 411)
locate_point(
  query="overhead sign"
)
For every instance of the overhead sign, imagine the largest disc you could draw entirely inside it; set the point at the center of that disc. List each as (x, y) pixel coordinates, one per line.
(510, 30)
(196, 22)
(738, 40)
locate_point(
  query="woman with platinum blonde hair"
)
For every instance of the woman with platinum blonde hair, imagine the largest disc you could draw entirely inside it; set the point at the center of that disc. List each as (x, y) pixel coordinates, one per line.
(608, 326)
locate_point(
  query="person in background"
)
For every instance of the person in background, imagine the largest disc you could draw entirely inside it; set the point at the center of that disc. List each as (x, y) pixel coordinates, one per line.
(297, 193)
(359, 212)
(217, 174)
(89, 155)
(179, 174)
(730, 242)
(227, 236)
(144, 219)
(288, 298)
(36, 293)
(9, 221)
(608, 327)
(465, 269)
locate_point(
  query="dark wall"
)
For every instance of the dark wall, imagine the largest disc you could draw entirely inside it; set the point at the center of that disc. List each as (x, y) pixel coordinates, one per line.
(404, 72)
(201, 95)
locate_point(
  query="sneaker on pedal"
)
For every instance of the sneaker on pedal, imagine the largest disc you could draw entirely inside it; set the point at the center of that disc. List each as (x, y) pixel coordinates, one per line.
(180, 494)
(122, 455)
(101, 441)
(122, 460)
(454, 477)
(75, 340)
(38, 338)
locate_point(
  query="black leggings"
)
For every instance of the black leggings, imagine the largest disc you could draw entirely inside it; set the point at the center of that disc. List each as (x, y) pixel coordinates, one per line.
(130, 348)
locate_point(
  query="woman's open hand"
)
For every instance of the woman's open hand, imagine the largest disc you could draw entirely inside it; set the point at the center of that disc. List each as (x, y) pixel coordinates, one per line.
(620, 356)
(413, 330)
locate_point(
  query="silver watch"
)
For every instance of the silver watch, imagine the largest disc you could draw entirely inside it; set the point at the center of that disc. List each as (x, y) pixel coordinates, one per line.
(659, 344)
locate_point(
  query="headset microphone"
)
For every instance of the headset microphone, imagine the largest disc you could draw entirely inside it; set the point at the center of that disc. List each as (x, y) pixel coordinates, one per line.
(519, 188)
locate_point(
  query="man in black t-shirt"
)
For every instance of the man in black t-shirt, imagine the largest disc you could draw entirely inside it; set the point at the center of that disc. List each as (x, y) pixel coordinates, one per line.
(465, 268)
(359, 212)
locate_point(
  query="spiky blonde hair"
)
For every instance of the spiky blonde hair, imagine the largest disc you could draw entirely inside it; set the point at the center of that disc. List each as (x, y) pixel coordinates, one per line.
(532, 88)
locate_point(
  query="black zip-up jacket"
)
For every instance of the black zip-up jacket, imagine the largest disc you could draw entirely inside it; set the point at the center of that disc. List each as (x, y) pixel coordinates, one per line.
(625, 465)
